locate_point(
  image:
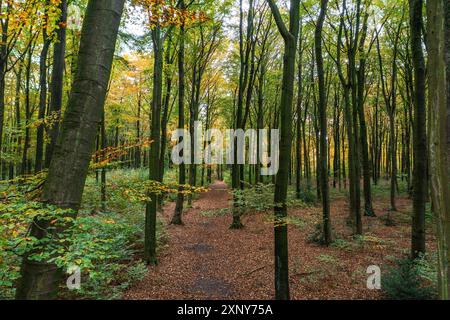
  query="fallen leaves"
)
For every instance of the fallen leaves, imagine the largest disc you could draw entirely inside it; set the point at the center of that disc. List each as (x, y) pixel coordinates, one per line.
(239, 263)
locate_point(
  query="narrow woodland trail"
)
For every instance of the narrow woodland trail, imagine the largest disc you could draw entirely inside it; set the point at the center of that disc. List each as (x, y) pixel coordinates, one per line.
(204, 259)
(196, 263)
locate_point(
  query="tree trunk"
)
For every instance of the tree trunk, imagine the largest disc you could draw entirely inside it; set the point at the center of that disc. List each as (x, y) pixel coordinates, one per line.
(322, 109)
(151, 208)
(439, 136)
(244, 54)
(103, 145)
(67, 175)
(26, 145)
(368, 209)
(3, 67)
(281, 185)
(39, 165)
(57, 84)
(420, 134)
(166, 111)
(18, 135)
(177, 217)
(137, 150)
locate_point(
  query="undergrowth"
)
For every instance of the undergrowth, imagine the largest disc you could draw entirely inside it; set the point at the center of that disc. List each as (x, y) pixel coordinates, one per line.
(105, 244)
(411, 280)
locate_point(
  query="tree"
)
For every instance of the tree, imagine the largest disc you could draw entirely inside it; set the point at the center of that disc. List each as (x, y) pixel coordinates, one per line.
(389, 91)
(68, 170)
(177, 217)
(437, 12)
(349, 93)
(361, 77)
(46, 39)
(420, 134)
(290, 37)
(322, 106)
(245, 48)
(15, 17)
(298, 151)
(57, 84)
(155, 136)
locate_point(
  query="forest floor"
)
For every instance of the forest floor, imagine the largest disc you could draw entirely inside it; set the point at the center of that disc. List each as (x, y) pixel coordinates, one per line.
(204, 259)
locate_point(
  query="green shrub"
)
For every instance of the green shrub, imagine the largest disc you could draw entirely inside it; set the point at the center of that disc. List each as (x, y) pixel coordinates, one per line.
(296, 221)
(406, 282)
(105, 245)
(341, 244)
(308, 197)
(257, 198)
(260, 197)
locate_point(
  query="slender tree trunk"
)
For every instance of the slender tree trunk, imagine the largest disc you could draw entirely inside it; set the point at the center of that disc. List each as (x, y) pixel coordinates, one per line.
(137, 151)
(350, 115)
(166, 111)
(39, 165)
(336, 138)
(260, 117)
(290, 37)
(57, 84)
(322, 109)
(244, 50)
(298, 148)
(151, 208)
(2, 101)
(439, 134)
(103, 145)
(26, 145)
(18, 135)
(393, 159)
(3, 67)
(420, 134)
(177, 217)
(193, 117)
(368, 208)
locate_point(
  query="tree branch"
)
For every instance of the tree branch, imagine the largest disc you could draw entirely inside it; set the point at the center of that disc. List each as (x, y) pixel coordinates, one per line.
(279, 20)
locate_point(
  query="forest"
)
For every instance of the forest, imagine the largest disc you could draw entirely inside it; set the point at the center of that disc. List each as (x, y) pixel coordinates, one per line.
(224, 150)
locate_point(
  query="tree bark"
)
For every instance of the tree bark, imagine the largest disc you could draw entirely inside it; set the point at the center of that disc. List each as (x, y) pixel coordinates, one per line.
(354, 184)
(39, 165)
(368, 208)
(322, 110)
(57, 84)
(298, 147)
(290, 37)
(26, 145)
(420, 134)
(439, 135)
(151, 207)
(177, 217)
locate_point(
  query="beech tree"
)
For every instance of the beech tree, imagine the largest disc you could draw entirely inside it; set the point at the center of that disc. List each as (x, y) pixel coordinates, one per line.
(322, 106)
(437, 14)
(177, 217)
(420, 135)
(57, 81)
(290, 37)
(68, 170)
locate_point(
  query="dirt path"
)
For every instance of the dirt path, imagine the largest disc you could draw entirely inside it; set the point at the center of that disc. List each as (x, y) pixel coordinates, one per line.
(191, 265)
(206, 260)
